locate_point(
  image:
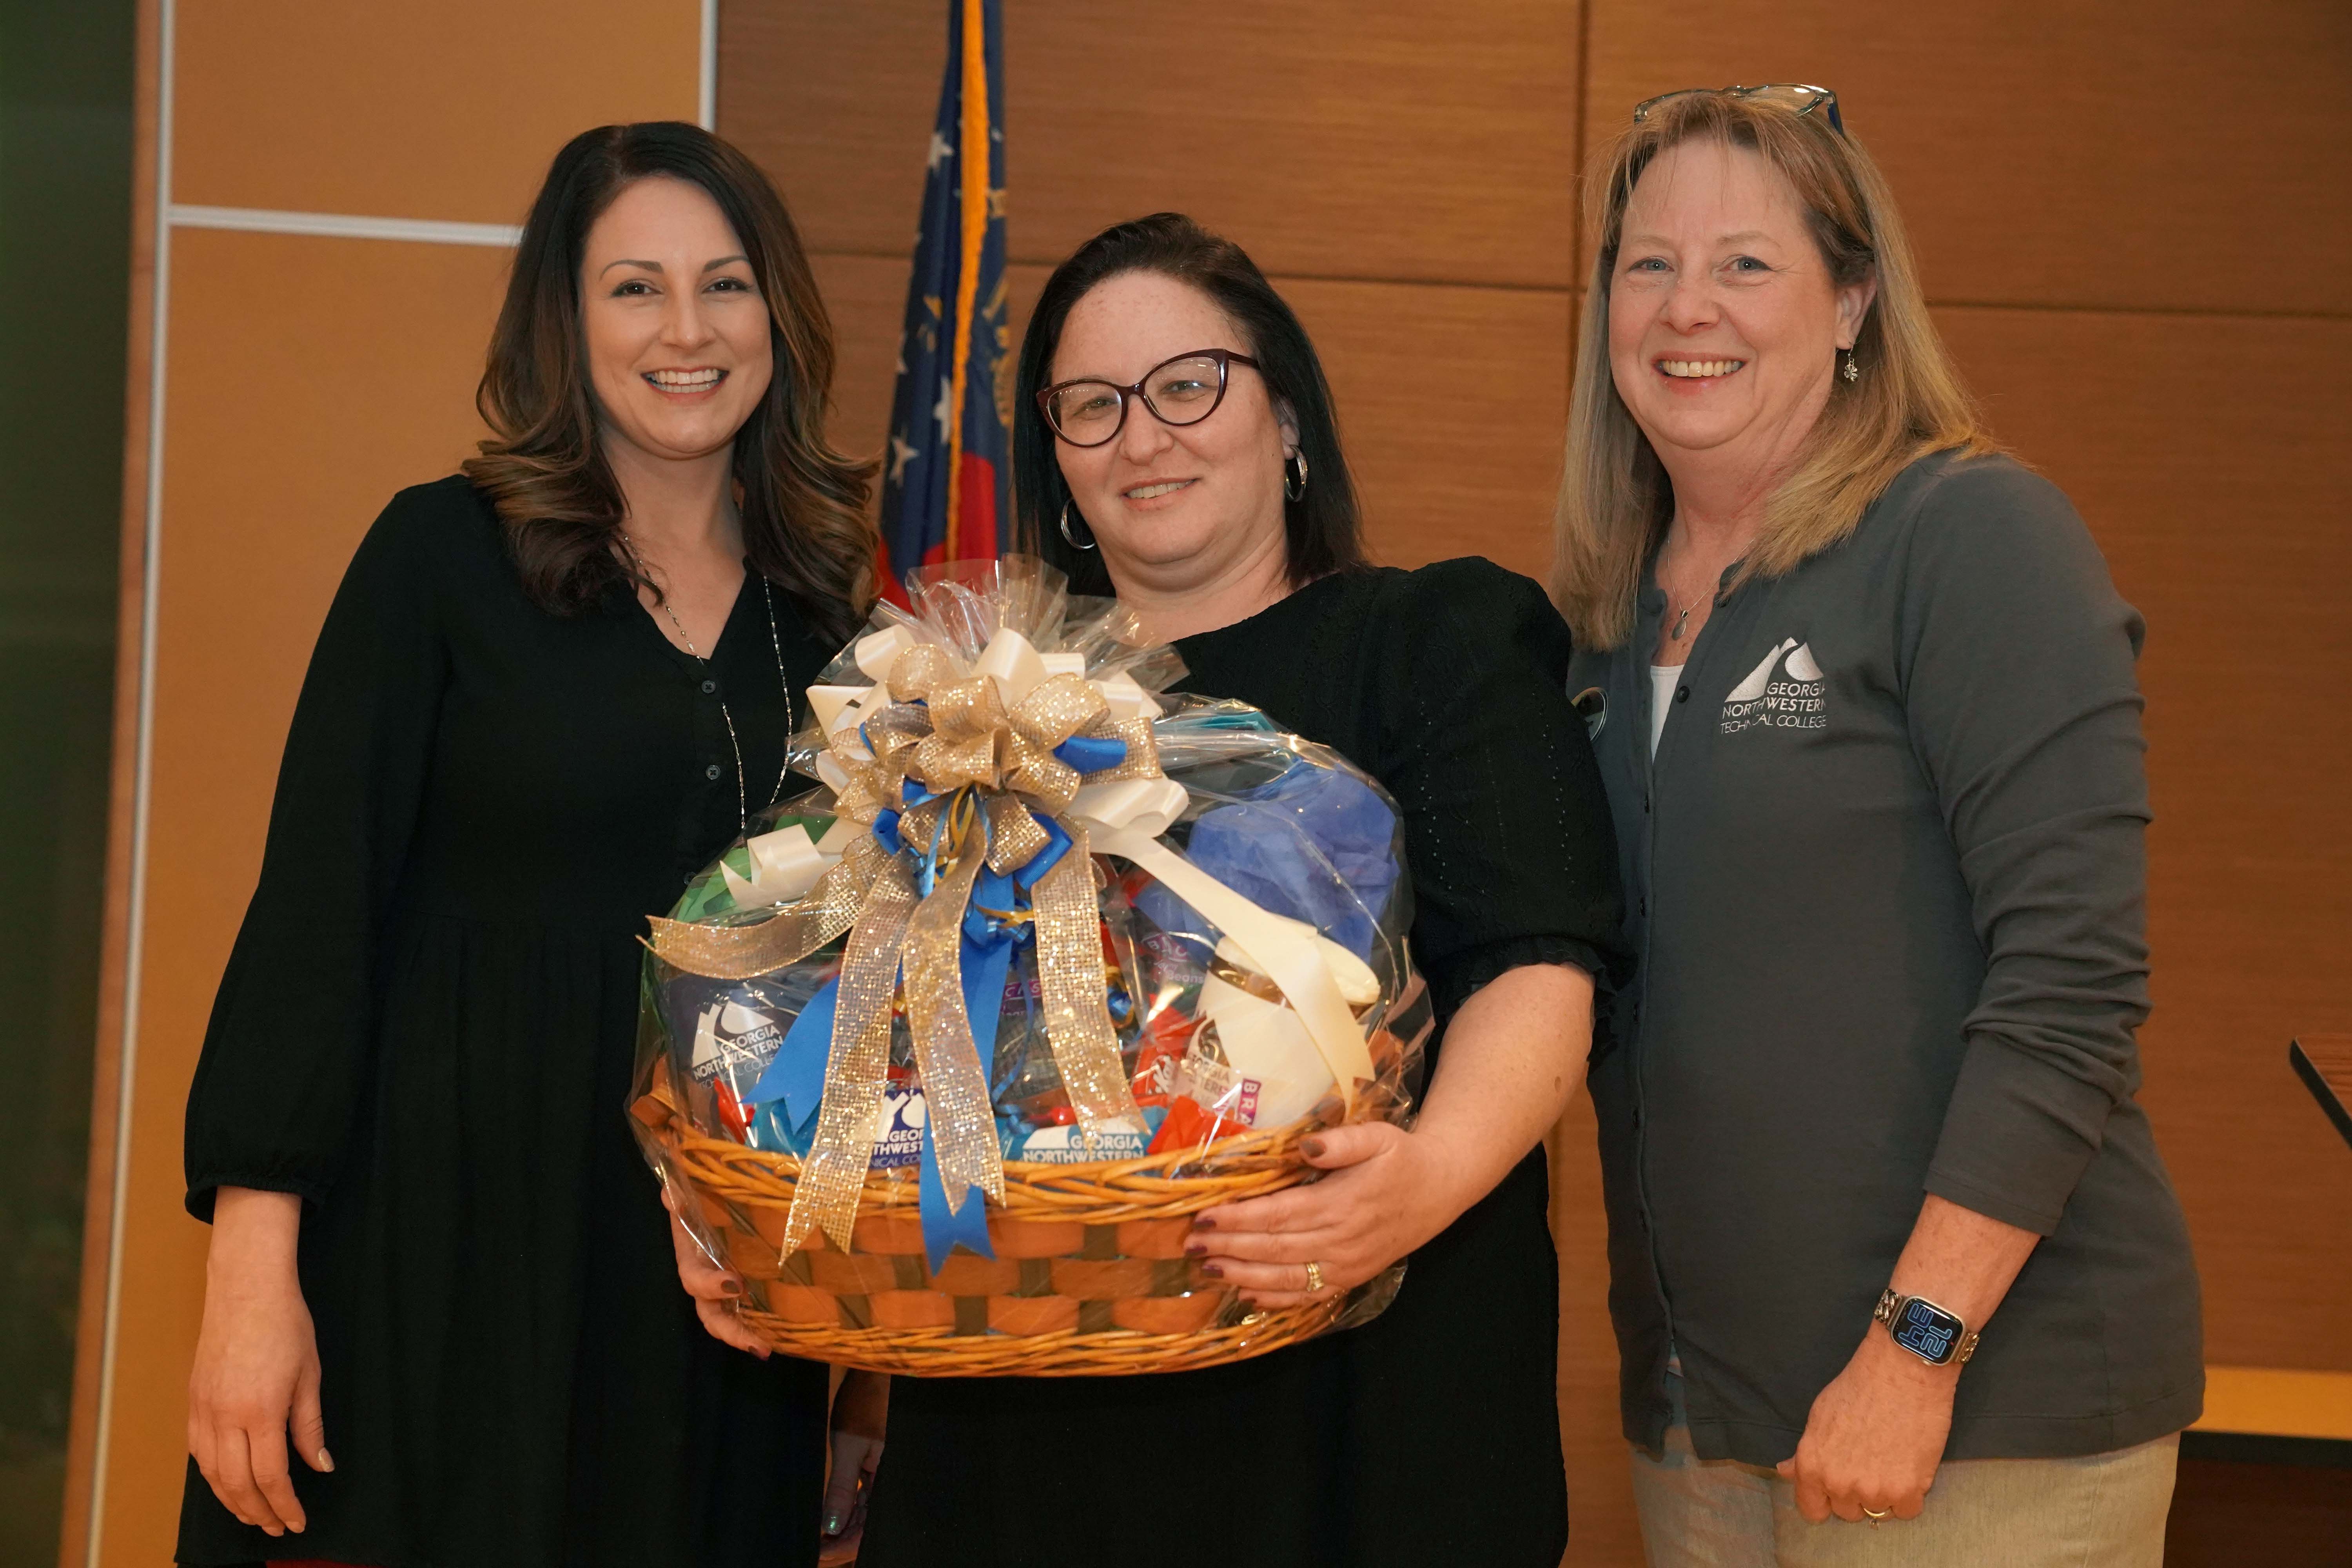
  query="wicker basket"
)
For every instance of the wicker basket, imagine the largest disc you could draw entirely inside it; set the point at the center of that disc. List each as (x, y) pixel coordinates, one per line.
(1090, 1278)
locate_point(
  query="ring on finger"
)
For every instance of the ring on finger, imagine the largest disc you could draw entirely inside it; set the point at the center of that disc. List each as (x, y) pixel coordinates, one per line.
(1314, 1278)
(1875, 1514)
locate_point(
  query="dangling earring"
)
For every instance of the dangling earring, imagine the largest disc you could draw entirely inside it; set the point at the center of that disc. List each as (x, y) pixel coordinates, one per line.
(1300, 493)
(1071, 539)
(1853, 373)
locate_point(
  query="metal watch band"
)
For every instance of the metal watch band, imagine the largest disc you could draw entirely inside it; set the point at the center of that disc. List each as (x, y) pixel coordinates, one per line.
(1889, 1313)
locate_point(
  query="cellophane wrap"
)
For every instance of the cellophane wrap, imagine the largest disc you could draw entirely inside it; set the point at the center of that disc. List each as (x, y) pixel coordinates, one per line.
(945, 1054)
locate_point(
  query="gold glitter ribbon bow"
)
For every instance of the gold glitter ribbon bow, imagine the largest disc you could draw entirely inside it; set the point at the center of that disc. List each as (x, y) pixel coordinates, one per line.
(981, 775)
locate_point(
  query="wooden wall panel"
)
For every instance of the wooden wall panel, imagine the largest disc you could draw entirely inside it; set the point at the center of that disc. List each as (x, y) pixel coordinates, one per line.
(1334, 138)
(866, 296)
(426, 108)
(1601, 1528)
(258, 543)
(280, 445)
(1452, 403)
(837, 102)
(2109, 152)
(2206, 454)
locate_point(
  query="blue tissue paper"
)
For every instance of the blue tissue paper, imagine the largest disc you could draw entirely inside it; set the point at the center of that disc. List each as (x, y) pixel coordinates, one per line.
(1262, 845)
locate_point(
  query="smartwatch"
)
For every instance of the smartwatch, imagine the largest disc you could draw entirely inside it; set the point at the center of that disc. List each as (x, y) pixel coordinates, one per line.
(1926, 1330)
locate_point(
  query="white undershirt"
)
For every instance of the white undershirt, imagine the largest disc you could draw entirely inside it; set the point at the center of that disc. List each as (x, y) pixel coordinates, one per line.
(1663, 678)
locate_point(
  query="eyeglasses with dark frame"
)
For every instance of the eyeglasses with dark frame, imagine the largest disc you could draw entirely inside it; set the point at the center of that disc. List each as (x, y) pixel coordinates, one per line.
(1089, 411)
(1797, 97)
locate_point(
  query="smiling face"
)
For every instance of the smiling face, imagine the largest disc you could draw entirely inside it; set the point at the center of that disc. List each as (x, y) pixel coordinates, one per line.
(1723, 324)
(677, 333)
(1173, 506)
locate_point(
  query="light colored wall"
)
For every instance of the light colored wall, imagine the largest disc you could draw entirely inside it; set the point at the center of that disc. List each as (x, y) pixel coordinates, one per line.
(304, 378)
(2128, 215)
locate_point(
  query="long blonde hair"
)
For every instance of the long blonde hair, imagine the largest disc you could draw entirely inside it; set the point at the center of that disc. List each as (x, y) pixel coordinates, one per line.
(1615, 499)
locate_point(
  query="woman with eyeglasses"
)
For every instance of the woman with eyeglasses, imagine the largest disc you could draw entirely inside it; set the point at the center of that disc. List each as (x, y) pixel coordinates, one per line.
(1174, 443)
(1897, 1275)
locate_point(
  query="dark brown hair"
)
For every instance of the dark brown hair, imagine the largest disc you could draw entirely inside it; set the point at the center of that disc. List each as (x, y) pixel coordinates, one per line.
(1325, 532)
(804, 523)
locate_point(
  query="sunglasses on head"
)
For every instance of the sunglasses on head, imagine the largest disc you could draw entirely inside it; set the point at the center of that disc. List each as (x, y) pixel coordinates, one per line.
(1796, 97)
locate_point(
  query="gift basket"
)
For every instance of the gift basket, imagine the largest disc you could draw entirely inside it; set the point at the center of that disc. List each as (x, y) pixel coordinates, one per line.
(944, 1056)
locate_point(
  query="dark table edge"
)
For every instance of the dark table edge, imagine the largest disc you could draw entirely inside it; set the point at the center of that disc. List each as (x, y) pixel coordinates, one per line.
(2263, 1449)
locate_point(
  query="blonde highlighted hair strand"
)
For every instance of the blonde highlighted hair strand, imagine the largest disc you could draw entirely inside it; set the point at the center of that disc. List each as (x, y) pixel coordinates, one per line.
(1615, 499)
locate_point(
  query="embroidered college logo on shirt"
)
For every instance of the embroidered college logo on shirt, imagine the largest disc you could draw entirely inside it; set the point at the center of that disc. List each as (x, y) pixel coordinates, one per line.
(1786, 691)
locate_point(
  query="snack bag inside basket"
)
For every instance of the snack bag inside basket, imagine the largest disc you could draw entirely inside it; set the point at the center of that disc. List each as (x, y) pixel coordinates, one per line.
(943, 1056)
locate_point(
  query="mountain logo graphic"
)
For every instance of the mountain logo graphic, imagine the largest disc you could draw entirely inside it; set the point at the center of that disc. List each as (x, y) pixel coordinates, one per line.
(1795, 701)
(728, 1032)
(1800, 667)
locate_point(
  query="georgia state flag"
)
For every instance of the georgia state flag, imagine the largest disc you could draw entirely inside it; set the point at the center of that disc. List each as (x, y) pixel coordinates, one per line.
(947, 484)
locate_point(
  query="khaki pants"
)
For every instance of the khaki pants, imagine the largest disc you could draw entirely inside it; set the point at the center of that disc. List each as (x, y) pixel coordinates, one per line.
(2104, 1510)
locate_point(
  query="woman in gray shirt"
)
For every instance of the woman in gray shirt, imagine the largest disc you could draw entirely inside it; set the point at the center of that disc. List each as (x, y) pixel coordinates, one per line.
(1864, 699)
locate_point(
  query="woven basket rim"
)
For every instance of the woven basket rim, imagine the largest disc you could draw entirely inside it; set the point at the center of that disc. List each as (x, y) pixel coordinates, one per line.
(1255, 1141)
(1113, 1353)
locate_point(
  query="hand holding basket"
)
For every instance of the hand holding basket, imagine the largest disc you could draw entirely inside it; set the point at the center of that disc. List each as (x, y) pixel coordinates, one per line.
(945, 1055)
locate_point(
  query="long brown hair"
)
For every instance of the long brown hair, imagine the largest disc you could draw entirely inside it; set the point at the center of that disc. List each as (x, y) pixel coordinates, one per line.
(804, 523)
(1615, 499)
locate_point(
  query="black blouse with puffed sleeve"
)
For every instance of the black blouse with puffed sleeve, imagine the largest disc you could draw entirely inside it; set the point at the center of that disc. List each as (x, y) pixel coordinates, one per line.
(1431, 1435)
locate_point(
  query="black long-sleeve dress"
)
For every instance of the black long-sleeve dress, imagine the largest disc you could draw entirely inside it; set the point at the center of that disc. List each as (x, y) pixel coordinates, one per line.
(425, 1030)
(1432, 1434)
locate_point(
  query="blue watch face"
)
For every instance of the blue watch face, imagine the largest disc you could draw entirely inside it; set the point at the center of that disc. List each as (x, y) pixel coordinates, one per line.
(1928, 1330)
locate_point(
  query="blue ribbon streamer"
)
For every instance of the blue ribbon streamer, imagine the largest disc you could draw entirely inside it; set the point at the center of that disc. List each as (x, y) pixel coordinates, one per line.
(984, 965)
(1092, 754)
(796, 1074)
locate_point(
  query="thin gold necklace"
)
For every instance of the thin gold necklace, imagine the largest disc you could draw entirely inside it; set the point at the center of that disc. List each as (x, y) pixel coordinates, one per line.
(776, 642)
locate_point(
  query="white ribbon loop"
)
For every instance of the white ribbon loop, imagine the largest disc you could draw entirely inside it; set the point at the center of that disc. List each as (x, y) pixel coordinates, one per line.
(1284, 949)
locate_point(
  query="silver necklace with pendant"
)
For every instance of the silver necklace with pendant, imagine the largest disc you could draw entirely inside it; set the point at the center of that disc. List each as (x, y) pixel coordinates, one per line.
(776, 642)
(1681, 621)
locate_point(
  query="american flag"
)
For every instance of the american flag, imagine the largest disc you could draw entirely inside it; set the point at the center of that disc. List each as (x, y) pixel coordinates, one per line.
(947, 486)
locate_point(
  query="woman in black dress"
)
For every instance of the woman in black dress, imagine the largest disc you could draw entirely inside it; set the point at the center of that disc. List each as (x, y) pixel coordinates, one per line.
(547, 693)
(1431, 1435)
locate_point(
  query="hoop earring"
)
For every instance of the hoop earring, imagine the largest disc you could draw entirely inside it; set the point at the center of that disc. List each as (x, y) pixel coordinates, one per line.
(1853, 373)
(1067, 537)
(1300, 459)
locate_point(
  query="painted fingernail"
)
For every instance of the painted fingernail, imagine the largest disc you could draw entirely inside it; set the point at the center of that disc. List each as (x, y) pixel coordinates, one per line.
(1213, 1270)
(1196, 1249)
(1204, 1225)
(732, 1286)
(326, 1460)
(1312, 1147)
(833, 1525)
